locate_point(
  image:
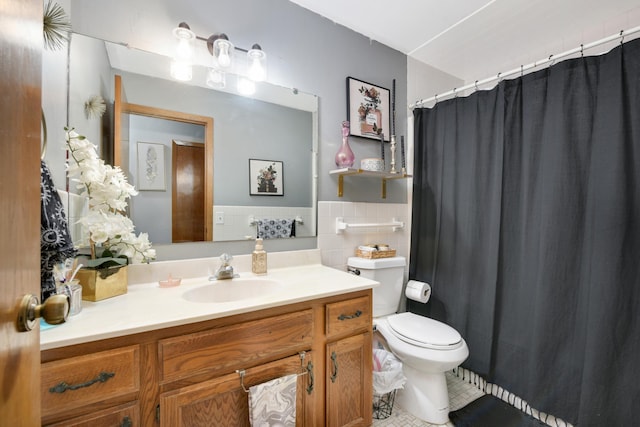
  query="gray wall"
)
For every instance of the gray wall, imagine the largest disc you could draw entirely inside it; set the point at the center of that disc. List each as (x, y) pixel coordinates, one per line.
(304, 50)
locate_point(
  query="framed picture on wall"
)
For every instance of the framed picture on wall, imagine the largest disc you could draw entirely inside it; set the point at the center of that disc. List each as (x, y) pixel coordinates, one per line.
(368, 109)
(265, 178)
(151, 173)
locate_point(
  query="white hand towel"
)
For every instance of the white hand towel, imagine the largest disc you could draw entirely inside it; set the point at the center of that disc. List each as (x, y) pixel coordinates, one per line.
(273, 404)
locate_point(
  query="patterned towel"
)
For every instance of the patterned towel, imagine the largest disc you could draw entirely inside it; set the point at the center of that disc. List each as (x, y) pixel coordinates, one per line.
(276, 228)
(273, 404)
(55, 239)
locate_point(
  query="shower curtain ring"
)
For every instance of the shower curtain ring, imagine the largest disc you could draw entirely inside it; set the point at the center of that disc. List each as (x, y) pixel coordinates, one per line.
(621, 36)
(476, 84)
(455, 94)
(521, 70)
(581, 50)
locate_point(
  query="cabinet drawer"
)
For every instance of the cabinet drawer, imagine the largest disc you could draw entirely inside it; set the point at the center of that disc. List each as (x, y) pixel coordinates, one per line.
(349, 315)
(227, 348)
(79, 381)
(123, 416)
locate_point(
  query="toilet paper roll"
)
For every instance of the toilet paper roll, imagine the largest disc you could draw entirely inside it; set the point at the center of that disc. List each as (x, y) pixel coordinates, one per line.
(418, 291)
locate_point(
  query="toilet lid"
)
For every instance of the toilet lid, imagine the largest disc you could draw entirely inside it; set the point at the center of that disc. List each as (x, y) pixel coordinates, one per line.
(424, 332)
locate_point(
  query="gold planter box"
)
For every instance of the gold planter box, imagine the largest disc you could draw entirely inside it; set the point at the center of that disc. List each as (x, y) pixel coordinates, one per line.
(102, 284)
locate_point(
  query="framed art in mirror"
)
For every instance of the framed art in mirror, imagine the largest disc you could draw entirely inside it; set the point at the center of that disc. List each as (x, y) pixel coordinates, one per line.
(368, 109)
(265, 177)
(151, 173)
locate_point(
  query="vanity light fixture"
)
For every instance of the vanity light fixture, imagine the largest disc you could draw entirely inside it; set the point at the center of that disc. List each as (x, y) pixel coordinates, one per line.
(181, 66)
(253, 69)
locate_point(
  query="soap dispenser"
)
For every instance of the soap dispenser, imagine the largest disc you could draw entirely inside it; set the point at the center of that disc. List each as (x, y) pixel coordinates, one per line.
(259, 259)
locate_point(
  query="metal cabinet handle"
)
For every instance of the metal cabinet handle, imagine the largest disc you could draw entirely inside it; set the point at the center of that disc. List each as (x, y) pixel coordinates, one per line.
(126, 422)
(334, 359)
(350, 316)
(311, 379)
(63, 386)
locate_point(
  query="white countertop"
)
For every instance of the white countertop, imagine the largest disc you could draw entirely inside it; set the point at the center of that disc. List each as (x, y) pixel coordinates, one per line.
(147, 307)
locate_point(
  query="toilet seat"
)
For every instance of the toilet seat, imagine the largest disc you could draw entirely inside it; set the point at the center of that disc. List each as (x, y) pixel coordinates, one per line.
(424, 332)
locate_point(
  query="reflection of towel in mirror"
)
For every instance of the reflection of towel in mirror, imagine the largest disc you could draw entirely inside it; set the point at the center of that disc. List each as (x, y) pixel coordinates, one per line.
(276, 228)
(273, 403)
(55, 239)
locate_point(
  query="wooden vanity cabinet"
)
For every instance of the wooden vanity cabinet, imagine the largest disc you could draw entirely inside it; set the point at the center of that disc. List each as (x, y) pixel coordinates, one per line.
(349, 363)
(186, 375)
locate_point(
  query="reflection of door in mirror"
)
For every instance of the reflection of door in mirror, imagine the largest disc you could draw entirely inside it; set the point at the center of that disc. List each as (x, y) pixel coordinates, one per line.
(187, 198)
(129, 119)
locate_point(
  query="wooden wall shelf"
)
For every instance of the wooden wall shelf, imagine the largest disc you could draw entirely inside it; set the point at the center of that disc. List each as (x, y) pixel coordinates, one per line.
(383, 176)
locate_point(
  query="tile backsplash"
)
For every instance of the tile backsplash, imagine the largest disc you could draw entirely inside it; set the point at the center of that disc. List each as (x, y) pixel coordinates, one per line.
(337, 247)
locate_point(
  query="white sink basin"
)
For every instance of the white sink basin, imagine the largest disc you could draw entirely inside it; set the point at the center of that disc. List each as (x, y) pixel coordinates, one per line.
(237, 289)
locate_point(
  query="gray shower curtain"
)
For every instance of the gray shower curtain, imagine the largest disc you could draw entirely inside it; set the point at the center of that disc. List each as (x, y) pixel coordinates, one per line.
(526, 222)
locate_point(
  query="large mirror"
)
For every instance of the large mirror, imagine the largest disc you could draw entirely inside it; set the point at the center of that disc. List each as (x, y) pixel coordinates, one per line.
(150, 117)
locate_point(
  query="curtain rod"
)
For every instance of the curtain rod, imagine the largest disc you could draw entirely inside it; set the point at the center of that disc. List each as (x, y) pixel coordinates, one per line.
(527, 67)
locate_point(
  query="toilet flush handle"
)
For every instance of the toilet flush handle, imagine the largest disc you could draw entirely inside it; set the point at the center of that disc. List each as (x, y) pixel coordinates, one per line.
(353, 270)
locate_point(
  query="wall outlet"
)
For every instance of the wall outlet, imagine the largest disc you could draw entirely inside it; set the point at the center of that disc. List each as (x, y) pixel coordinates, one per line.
(219, 217)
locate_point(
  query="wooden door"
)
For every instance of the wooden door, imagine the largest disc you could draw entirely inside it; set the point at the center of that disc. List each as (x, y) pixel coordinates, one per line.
(187, 200)
(20, 106)
(222, 402)
(349, 381)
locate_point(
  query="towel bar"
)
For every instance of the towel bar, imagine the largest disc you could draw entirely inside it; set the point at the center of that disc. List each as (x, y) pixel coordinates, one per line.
(342, 226)
(306, 370)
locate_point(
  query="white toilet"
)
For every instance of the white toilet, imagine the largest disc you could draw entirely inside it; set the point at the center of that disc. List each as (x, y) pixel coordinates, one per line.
(427, 348)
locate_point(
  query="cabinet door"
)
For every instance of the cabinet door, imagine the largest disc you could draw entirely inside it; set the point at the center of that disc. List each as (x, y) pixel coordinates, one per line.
(222, 402)
(122, 416)
(349, 381)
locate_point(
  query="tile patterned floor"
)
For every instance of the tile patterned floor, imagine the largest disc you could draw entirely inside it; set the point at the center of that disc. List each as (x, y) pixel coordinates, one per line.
(460, 394)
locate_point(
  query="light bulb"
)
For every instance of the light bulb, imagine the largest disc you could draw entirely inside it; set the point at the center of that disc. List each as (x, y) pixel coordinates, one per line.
(185, 37)
(184, 50)
(246, 86)
(257, 64)
(181, 71)
(216, 78)
(223, 52)
(223, 58)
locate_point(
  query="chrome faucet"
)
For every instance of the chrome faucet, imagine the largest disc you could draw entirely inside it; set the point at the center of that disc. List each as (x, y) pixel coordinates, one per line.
(225, 271)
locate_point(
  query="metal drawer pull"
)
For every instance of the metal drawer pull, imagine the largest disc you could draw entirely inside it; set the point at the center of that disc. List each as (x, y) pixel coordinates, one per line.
(126, 422)
(352, 316)
(63, 386)
(311, 379)
(334, 358)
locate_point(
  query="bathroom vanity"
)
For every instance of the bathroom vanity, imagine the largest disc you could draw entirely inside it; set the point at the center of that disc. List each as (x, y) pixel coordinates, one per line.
(158, 357)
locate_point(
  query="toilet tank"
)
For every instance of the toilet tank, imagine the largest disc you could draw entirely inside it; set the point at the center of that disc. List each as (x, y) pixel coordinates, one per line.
(390, 273)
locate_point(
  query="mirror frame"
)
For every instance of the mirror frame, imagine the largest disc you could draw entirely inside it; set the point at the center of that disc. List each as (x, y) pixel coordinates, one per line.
(122, 107)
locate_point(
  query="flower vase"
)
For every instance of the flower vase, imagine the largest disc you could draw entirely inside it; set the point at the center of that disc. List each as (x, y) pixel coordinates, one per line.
(99, 284)
(345, 157)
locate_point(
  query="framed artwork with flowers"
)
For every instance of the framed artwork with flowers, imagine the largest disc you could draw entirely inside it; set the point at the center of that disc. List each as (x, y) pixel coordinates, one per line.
(368, 109)
(265, 178)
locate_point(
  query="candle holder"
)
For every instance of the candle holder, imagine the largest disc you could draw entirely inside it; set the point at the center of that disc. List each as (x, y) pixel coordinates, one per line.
(392, 148)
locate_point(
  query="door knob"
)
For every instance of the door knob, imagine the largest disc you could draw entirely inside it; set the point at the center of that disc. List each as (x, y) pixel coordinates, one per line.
(54, 311)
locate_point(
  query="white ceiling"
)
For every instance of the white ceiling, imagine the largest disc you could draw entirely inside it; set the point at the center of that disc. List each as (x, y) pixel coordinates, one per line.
(473, 39)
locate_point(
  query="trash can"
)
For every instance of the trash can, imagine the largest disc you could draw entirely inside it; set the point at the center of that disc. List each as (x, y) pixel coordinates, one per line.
(387, 378)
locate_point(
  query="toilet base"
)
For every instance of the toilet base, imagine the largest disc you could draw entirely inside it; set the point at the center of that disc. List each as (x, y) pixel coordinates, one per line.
(425, 395)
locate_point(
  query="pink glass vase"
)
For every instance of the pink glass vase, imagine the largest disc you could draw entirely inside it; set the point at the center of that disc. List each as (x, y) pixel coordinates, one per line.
(344, 156)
